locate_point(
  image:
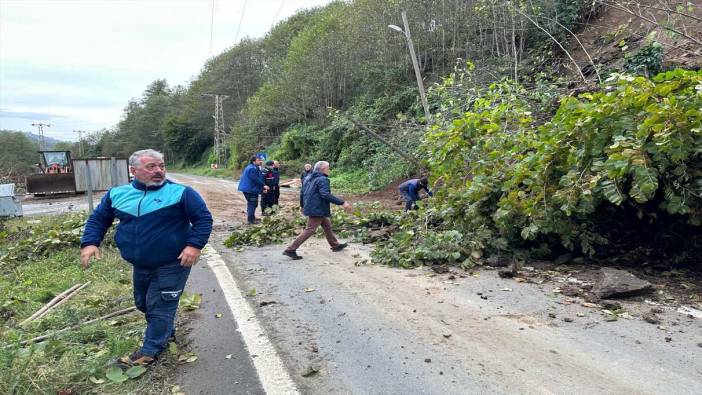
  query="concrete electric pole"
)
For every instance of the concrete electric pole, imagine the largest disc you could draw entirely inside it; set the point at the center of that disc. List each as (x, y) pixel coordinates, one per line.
(417, 73)
(40, 128)
(219, 129)
(80, 142)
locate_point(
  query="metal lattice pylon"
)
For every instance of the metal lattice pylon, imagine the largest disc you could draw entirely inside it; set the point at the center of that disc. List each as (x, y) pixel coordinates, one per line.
(219, 128)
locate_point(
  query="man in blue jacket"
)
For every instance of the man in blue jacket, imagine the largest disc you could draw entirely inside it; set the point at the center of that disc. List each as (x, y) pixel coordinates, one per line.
(251, 185)
(317, 196)
(162, 228)
(410, 191)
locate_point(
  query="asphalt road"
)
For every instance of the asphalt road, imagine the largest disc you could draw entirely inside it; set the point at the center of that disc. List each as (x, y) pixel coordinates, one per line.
(330, 324)
(377, 330)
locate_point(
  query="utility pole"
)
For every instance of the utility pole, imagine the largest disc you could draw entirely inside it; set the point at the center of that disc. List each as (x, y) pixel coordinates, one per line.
(80, 141)
(417, 73)
(219, 130)
(40, 128)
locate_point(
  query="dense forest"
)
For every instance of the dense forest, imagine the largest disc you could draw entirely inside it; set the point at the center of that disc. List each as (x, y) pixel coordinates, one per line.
(283, 87)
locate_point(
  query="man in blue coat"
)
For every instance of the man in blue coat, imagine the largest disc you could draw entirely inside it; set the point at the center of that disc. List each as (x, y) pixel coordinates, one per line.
(316, 196)
(162, 228)
(410, 191)
(251, 185)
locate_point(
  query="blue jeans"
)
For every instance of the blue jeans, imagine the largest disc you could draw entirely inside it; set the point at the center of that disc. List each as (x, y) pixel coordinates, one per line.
(157, 291)
(251, 204)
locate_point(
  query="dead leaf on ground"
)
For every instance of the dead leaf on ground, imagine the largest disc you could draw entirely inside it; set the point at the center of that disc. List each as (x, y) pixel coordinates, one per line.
(310, 370)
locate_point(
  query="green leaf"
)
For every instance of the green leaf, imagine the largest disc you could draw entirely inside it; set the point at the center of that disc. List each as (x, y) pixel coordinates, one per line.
(95, 380)
(115, 374)
(135, 371)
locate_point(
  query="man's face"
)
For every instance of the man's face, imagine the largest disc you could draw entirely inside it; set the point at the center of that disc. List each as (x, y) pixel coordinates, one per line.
(275, 164)
(325, 170)
(150, 172)
(308, 167)
(258, 162)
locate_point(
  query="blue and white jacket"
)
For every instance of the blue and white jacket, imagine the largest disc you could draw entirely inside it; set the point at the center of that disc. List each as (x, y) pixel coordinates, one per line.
(155, 223)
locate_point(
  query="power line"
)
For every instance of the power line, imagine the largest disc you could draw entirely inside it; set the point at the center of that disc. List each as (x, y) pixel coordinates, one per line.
(275, 18)
(241, 20)
(212, 25)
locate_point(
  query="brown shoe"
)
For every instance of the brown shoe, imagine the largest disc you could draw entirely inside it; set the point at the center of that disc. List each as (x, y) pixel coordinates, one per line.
(137, 358)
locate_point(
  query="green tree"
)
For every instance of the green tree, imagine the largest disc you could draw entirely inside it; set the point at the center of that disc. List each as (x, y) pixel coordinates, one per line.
(18, 154)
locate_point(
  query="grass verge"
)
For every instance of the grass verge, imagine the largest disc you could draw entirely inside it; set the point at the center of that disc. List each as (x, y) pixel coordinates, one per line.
(38, 260)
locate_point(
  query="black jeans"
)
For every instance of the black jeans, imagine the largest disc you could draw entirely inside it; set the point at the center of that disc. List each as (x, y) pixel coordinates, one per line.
(251, 204)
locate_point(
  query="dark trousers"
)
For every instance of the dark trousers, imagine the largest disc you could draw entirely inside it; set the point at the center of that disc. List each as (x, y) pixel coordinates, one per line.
(157, 291)
(312, 224)
(251, 204)
(267, 200)
(276, 194)
(410, 203)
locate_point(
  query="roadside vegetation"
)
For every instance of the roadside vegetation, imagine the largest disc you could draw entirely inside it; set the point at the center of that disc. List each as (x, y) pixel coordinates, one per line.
(39, 259)
(613, 174)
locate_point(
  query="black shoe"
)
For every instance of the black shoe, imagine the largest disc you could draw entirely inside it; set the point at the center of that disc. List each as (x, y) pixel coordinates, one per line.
(340, 247)
(292, 254)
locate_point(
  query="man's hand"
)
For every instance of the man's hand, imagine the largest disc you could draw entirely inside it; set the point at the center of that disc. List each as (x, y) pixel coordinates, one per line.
(86, 253)
(348, 207)
(189, 256)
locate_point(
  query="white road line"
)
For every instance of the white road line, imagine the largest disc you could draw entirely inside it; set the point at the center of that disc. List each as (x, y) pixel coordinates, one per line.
(271, 371)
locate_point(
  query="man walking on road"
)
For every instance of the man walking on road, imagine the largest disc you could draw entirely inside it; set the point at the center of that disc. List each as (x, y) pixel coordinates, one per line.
(317, 196)
(410, 191)
(251, 185)
(162, 228)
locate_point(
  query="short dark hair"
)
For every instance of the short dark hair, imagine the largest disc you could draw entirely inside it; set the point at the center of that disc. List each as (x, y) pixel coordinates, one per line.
(253, 159)
(269, 163)
(424, 181)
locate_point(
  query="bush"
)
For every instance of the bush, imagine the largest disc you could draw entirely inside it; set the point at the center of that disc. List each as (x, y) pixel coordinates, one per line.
(622, 162)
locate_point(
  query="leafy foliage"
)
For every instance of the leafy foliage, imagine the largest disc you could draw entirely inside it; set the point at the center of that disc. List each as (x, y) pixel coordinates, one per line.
(633, 147)
(41, 239)
(278, 226)
(647, 61)
(274, 228)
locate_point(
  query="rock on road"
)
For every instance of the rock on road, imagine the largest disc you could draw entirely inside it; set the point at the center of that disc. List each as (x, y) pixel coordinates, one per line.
(342, 328)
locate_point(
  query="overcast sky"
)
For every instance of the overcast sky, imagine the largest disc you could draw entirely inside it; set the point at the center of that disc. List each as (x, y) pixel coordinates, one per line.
(75, 64)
